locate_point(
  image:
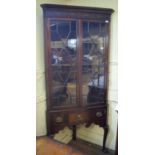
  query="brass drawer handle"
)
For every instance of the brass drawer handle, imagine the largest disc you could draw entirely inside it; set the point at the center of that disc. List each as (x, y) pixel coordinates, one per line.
(59, 119)
(99, 114)
(79, 117)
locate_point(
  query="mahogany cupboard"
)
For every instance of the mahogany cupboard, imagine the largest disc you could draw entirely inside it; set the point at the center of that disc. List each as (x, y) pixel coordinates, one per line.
(76, 66)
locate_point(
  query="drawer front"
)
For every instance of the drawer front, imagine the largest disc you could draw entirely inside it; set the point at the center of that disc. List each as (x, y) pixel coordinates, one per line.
(58, 118)
(79, 117)
(97, 116)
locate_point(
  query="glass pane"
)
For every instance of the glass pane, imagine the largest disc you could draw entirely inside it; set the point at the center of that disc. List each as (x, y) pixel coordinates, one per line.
(63, 61)
(93, 62)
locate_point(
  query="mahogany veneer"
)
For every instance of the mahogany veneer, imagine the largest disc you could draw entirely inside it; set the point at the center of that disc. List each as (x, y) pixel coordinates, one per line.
(76, 66)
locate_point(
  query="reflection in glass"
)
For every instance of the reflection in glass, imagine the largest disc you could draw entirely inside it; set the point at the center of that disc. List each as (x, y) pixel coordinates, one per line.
(63, 61)
(93, 62)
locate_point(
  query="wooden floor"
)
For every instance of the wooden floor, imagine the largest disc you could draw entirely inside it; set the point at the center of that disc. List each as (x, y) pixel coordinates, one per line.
(44, 148)
(89, 148)
(48, 146)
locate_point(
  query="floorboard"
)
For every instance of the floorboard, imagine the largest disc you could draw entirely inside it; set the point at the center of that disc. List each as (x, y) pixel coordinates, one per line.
(89, 148)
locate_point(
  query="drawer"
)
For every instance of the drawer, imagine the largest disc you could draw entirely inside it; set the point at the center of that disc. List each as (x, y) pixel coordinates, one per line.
(58, 118)
(89, 116)
(79, 117)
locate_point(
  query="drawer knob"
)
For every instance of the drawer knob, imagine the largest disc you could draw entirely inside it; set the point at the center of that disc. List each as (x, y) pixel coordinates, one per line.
(99, 114)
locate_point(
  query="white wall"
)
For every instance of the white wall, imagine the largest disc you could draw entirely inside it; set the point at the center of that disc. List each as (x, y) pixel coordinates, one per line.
(93, 133)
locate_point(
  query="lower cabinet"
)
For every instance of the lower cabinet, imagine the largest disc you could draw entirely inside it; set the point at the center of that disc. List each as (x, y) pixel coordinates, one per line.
(59, 119)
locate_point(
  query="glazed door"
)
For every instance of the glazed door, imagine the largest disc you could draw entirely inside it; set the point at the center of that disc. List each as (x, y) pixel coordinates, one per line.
(63, 62)
(94, 61)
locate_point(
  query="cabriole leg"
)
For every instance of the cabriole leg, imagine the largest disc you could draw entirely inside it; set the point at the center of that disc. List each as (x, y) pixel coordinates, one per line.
(74, 132)
(106, 129)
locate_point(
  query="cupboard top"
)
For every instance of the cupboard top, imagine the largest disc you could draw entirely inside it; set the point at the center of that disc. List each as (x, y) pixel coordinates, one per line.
(68, 8)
